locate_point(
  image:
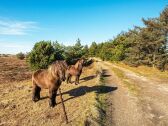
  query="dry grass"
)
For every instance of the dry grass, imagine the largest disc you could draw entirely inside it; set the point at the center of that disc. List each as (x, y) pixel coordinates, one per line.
(101, 103)
(146, 71)
(132, 87)
(13, 69)
(17, 108)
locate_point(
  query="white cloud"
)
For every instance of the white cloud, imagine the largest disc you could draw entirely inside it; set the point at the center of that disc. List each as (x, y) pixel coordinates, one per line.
(14, 48)
(11, 27)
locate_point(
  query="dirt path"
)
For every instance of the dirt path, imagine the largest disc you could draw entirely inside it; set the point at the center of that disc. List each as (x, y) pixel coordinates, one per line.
(149, 107)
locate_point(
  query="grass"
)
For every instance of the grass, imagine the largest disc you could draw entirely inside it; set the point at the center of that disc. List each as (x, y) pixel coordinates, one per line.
(132, 87)
(101, 103)
(146, 71)
(17, 107)
(13, 69)
(98, 117)
(84, 105)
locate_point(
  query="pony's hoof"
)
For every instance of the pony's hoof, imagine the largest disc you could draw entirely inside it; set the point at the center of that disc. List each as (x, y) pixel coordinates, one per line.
(52, 105)
(35, 99)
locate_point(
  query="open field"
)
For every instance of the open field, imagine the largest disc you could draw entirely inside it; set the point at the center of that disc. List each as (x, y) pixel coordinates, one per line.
(17, 108)
(13, 69)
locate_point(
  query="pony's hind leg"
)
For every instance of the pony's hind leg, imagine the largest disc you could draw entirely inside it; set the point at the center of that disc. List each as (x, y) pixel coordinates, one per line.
(77, 79)
(36, 92)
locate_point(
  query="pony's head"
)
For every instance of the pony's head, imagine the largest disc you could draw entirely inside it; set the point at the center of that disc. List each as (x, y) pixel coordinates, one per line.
(81, 61)
(63, 67)
(61, 74)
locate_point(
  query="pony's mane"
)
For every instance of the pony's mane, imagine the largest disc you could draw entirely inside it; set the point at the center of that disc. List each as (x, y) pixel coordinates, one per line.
(51, 70)
(59, 65)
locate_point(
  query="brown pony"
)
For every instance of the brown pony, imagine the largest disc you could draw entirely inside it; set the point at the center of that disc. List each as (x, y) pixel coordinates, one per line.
(51, 79)
(75, 70)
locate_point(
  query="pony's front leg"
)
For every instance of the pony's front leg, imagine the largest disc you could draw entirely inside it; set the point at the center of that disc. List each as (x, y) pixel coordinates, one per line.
(52, 96)
(68, 78)
(77, 80)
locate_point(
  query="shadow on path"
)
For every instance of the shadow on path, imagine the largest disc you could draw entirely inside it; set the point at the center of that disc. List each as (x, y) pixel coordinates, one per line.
(88, 78)
(82, 90)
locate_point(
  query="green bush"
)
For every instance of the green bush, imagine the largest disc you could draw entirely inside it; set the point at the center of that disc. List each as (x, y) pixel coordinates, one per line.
(42, 55)
(20, 56)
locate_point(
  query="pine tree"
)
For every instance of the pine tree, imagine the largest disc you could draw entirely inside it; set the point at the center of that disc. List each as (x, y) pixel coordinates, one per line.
(93, 49)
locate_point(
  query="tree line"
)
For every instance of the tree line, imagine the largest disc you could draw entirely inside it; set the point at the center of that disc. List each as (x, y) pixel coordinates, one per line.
(146, 45)
(46, 52)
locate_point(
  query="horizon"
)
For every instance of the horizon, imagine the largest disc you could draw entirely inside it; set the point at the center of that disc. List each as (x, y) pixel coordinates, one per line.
(65, 21)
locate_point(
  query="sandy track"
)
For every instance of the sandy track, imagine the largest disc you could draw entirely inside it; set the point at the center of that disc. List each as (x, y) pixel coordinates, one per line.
(148, 108)
(123, 109)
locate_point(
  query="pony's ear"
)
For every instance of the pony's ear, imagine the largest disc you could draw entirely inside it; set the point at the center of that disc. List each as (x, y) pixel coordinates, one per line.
(68, 67)
(64, 61)
(82, 60)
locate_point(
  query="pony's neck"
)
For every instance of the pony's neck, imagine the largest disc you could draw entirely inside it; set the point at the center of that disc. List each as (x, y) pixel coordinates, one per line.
(80, 67)
(77, 65)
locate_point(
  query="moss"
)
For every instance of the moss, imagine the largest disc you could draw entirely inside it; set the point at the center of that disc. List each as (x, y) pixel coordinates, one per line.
(101, 102)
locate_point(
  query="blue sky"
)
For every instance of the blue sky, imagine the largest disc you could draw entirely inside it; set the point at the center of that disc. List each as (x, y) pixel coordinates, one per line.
(24, 22)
